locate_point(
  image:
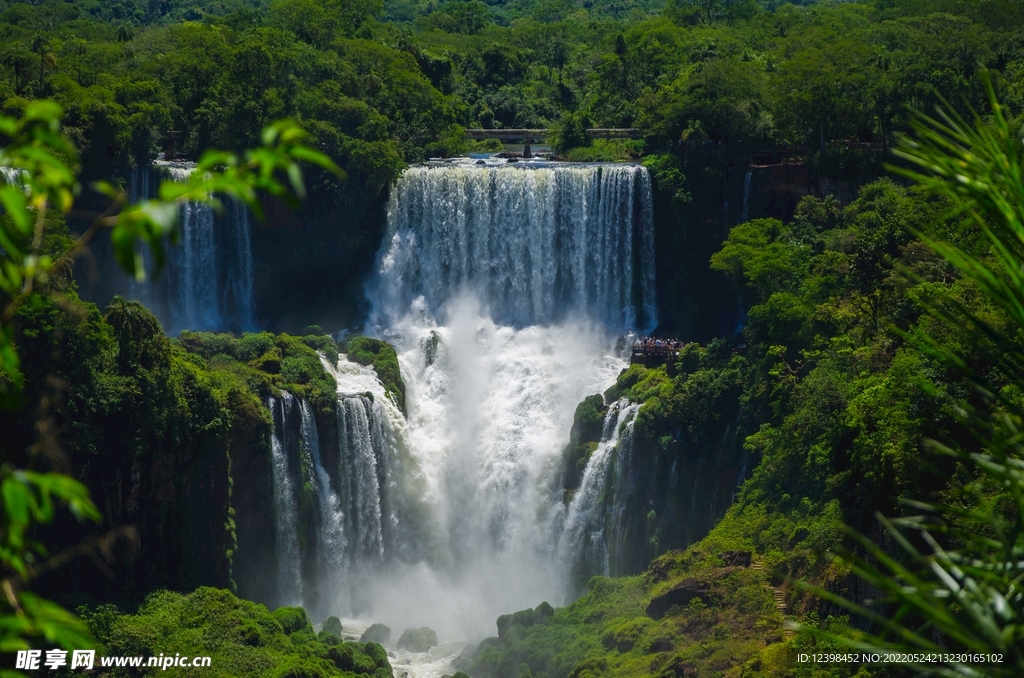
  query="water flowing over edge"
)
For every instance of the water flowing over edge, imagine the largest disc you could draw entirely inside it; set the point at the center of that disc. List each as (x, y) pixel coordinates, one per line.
(207, 281)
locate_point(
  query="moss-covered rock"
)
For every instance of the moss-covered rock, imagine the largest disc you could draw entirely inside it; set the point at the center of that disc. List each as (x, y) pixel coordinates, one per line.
(332, 625)
(384, 360)
(583, 440)
(242, 638)
(418, 640)
(377, 633)
(292, 619)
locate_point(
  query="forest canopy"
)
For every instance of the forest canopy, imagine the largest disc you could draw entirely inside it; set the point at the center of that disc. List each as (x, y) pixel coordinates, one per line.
(381, 85)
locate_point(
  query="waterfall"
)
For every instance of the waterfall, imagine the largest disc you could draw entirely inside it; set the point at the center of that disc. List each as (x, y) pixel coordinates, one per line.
(331, 542)
(534, 244)
(506, 291)
(286, 510)
(362, 464)
(207, 282)
(746, 196)
(583, 548)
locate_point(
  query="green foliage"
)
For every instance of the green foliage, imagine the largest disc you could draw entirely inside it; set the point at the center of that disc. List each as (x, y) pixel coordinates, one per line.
(965, 586)
(292, 619)
(286, 362)
(243, 638)
(31, 498)
(382, 356)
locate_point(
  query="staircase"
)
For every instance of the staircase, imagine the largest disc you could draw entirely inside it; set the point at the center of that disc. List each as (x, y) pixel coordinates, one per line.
(777, 597)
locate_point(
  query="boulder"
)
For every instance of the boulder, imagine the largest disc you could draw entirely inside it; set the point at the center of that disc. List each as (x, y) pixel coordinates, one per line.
(377, 633)
(681, 595)
(332, 625)
(418, 640)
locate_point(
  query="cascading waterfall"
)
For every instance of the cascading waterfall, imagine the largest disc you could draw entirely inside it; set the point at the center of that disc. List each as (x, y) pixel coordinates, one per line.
(286, 510)
(505, 290)
(207, 282)
(331, 542)
(583, 546)
(362, 463)
(746, 196)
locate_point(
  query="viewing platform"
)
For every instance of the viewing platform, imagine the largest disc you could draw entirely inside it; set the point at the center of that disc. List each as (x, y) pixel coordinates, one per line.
(653, 352)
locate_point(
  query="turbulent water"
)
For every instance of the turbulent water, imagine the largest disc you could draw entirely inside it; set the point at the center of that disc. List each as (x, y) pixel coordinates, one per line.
(207, 282)
(507, 292)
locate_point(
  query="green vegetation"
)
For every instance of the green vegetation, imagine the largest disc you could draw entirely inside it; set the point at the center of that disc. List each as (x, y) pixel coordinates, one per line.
(846, 362)
(240, 637)
(701, 71)
(728, 622)
(36, 298)
(873, 328)
(382, 357)
(268, 364)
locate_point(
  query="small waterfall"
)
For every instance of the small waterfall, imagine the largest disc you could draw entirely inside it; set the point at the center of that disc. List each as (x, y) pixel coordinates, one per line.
(286, 510)
(207, 283)
(370, 431)
(583, 546)
(331, 540)
(193, 264)
(746, 196)
(361, 466)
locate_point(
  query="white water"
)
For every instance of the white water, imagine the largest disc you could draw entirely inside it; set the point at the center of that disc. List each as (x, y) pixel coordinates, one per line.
(331, 542)
(583, 543)
(534, 244)
(504, 291)
(286, 511)
(207, 282)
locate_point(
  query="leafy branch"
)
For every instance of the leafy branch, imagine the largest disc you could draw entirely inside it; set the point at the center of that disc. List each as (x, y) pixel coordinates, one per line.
(38, 176)
(966, 596)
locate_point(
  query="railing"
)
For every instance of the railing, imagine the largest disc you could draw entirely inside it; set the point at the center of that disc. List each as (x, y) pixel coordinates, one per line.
(647, 350)
(528, 134)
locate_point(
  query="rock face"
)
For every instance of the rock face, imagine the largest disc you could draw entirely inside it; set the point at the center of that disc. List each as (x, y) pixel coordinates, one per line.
(417, 640)
(680, 595)
(377, 633)
(736, 558)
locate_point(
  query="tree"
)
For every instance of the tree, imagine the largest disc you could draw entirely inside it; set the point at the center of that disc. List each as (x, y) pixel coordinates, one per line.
(41, 46)
(957, 588)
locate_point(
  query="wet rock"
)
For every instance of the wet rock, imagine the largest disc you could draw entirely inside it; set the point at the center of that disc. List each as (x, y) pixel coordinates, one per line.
(418, 640)
(377, 633)
(465, 659)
